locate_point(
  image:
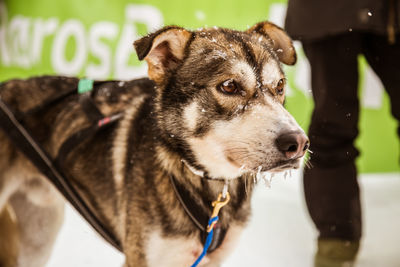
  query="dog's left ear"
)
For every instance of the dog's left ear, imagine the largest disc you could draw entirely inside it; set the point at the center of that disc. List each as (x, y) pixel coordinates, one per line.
(282, 43)
(163, 50)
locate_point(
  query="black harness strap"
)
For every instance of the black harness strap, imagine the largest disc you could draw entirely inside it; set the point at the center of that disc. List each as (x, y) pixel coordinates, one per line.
(93, 114)
(89, 107)
(84, 134)
(24, 141)
(199, 218)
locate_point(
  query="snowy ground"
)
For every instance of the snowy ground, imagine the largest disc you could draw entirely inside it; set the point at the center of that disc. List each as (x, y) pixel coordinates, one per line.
(280, 233)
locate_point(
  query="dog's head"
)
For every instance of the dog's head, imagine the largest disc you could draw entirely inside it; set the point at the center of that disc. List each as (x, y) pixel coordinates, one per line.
(220, 98)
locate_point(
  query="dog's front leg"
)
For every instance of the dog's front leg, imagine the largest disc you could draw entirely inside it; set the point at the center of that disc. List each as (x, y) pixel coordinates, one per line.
(134, 247)
(155, 249)
(9, 243)
(135, 259)
(212, 265)
(38, 228)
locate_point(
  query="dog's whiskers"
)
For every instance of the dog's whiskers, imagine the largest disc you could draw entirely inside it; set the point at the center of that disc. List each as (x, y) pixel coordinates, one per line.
(308, 165)
(237, 150)
(240, 142)
(307, 159)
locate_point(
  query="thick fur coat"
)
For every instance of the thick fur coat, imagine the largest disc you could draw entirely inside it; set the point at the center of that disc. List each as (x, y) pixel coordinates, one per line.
(212, 111)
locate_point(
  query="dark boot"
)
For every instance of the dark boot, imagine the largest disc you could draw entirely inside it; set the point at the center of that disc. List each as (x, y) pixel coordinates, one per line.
(336, 253)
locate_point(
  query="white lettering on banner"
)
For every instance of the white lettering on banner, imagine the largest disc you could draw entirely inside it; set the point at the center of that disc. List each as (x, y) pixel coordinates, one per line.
(70, 29)
(22, 38)
(372, 96)
(41, 29)
(19, 35)
(145, 14)
(101, 30)
(277, 13)
(302, 77)
(5, 54)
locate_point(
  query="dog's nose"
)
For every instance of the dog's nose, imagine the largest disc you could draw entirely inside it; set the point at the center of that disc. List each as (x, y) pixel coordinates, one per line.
(293, 144)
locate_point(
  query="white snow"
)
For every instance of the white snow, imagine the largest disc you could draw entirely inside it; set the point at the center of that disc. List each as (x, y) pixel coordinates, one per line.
(280, 233)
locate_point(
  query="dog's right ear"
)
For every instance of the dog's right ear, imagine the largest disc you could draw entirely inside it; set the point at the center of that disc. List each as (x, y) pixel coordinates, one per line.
(163, 50)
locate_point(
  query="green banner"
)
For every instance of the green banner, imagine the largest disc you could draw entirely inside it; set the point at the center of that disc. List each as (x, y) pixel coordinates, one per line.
(93, 38)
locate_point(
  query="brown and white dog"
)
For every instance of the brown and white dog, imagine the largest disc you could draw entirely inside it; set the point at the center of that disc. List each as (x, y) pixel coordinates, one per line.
(212, 111)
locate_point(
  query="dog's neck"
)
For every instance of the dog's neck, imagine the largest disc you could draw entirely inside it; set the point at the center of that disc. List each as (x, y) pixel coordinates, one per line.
(173, 164)
(209, 188)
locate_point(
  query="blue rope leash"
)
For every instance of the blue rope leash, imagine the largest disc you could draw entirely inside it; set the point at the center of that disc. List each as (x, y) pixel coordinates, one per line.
(217, 204)
(207, 243)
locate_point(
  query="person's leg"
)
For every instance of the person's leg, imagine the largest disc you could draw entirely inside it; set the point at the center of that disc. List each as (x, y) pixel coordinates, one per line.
(330, 185)
(384, 59)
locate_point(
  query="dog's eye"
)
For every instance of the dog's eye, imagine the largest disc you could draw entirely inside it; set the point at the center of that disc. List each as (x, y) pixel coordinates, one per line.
(280, 87)
(229, 87)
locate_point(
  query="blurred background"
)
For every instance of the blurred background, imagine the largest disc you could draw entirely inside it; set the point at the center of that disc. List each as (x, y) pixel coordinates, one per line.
(93, 38)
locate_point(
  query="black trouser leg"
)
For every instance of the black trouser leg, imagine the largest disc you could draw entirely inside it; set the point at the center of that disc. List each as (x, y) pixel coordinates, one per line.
(384, 59)
(330, 186)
